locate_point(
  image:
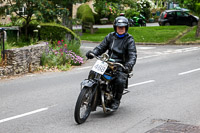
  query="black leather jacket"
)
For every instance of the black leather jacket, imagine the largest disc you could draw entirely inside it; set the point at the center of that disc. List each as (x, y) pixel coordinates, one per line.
(123, 50)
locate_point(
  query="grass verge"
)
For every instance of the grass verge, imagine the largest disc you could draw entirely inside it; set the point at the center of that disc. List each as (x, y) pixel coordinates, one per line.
(158, 34)
(189, 37)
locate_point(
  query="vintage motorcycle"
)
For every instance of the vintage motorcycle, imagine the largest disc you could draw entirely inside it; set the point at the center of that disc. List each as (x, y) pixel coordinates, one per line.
(98, 89)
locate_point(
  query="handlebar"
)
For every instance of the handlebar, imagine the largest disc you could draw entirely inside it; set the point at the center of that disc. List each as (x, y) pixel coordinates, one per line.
(119, 64)
(109, 62)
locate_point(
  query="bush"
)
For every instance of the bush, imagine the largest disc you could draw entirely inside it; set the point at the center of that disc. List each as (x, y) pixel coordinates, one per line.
(84, 12)
(97, 18)
(21, 42)
(130, 13)
(146, 13)
(61, 55)
(54, 32)
(32, 26)
(144, 8)
(16, 21)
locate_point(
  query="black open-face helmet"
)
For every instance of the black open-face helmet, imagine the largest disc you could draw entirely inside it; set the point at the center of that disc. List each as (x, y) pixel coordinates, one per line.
(121, 21)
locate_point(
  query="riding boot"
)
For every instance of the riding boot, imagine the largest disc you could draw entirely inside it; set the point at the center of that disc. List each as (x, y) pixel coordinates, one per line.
(116, 102)
(118, 96)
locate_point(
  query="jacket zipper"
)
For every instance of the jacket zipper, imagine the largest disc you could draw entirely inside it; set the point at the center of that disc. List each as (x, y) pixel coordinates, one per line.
(112, 48)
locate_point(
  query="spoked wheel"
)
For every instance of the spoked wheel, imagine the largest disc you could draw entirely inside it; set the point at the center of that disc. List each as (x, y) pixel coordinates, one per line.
(83, 105)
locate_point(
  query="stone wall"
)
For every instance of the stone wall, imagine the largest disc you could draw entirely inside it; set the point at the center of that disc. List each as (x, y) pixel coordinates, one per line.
(22, 60)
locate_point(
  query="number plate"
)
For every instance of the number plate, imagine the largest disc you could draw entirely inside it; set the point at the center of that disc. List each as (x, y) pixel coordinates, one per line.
(100, 67)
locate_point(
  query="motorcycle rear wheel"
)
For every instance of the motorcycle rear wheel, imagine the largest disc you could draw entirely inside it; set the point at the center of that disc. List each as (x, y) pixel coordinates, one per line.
(83, 105)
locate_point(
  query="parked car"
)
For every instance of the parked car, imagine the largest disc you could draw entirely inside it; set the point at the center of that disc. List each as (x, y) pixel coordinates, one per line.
(177, 17)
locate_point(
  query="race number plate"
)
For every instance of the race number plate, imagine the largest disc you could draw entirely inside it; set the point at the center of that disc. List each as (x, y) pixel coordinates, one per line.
(100, 67)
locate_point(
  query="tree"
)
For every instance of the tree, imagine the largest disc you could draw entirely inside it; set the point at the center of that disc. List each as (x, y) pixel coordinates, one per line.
(34, 9)
(44, 10)
(198, 27)
(160, 2)
(68, 4)
(112, 8)
(194, 6)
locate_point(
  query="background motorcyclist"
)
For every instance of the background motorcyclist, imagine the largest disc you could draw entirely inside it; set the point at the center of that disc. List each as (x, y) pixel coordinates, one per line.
(121, 47)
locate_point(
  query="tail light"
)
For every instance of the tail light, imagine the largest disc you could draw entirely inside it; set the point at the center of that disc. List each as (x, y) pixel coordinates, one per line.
(165, 15)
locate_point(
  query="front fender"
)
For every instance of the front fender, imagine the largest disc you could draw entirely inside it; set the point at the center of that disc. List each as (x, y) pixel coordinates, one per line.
(88, 83)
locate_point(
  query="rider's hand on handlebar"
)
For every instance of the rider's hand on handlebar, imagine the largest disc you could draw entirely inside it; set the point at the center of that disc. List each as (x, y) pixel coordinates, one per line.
(126, 70)
(89, 55)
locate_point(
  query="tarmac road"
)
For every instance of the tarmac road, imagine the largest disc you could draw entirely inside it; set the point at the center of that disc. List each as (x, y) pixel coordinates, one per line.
(164, 89)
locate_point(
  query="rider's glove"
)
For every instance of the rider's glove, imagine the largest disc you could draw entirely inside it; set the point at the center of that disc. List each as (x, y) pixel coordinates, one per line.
(89, 55)
(126, 70)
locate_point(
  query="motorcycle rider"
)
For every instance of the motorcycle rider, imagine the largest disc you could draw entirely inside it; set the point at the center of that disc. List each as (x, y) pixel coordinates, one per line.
(121, 47)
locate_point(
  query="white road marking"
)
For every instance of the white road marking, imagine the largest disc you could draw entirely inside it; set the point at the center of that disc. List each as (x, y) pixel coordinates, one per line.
(171, 52)
(145, 57)
(146, 48)
(157, 53)
(186, 50)
(23, 115)
(88, 47)
(82, 68)
(187, 72)
(141, 83)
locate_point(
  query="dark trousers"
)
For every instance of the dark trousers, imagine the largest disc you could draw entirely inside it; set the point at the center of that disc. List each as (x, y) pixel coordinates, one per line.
(119, 84)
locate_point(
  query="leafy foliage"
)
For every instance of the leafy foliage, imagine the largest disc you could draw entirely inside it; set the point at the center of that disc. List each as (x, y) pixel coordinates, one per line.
(108, 9)
(68, 4)
(54, 32)
(194, 6)
(130, 13)
(143, 6)
(85, 13)
(112, 8)
(39, 9)
(61, 56)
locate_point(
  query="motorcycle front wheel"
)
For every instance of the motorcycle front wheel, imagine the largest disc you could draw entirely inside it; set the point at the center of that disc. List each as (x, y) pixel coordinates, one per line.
(83, 105)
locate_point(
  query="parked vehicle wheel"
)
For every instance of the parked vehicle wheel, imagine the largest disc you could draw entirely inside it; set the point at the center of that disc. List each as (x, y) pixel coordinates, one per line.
(167, 24)
(194, 23)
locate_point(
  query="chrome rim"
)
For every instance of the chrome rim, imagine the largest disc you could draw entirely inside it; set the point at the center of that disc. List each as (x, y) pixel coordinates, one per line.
(84, 110)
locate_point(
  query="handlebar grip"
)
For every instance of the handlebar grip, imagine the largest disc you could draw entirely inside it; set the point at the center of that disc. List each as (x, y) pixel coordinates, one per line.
(92, 54)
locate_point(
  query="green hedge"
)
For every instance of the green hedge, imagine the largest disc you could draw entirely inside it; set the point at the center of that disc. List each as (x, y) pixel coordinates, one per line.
(130, 13)
(84, 12)
(54, 32)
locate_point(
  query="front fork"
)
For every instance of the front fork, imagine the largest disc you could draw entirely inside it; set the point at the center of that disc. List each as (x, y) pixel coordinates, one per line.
(91, 84)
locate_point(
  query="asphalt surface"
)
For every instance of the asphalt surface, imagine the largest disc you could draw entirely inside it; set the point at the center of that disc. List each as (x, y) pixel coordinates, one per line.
(164, 89)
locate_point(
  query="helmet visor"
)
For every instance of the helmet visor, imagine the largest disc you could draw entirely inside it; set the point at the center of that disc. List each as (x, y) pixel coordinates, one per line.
(121, 23)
